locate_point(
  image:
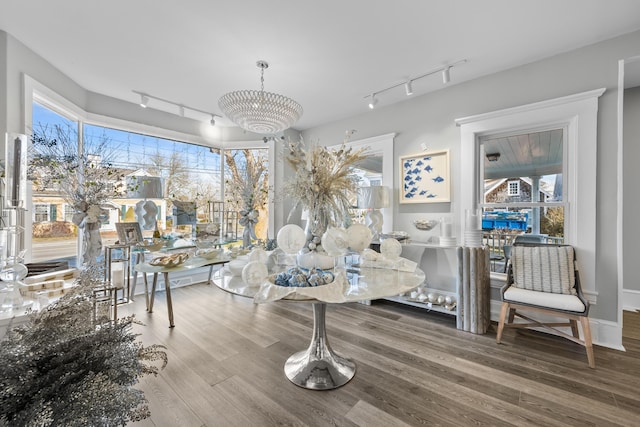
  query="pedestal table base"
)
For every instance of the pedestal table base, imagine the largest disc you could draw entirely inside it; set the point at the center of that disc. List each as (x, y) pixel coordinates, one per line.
(318, 367)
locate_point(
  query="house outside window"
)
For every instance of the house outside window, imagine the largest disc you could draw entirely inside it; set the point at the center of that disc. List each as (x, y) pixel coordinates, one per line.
(522, 191)
(67, 212)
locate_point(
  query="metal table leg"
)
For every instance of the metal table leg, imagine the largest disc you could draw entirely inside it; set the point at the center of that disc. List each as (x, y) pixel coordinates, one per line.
(167, 288)
(134, 273)
(153, 293)
(318, 367)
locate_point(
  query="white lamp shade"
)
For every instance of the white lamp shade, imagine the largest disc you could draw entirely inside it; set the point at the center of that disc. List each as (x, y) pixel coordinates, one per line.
(376, 197)
(144, 187)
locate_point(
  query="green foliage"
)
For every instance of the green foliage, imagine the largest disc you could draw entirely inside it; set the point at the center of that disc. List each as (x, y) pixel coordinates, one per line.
(62, 369)
(552, 223)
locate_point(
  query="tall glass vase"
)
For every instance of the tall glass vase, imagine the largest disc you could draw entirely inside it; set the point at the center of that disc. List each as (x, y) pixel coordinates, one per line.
(249, 219)
(91, 242)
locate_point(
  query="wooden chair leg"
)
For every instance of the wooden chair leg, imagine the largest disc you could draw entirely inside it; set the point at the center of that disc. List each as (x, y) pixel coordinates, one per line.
(574, 328)
(503, 314)
(512, 315)
(586, 329)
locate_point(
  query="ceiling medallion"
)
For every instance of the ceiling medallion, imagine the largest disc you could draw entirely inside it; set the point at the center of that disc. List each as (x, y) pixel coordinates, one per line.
(259, 111)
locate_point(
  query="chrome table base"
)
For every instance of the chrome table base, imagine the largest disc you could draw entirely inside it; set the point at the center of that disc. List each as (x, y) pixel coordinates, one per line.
(318, 367)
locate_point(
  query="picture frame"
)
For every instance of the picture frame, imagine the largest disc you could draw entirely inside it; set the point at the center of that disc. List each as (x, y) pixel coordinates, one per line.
(425, 177)
(129, 233)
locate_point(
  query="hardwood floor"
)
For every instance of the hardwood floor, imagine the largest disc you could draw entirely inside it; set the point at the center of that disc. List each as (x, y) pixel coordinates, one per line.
(226, 357)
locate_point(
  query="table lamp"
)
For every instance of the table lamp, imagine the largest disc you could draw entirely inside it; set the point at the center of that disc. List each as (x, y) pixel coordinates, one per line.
(373, 199)
(145, 188)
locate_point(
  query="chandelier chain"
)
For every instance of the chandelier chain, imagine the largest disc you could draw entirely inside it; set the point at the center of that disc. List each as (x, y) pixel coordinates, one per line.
(261, 79)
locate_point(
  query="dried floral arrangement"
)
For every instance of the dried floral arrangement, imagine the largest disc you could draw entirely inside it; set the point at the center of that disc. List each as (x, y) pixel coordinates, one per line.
(247, 188)
(86, 181)
(324, 182)
(62, 369)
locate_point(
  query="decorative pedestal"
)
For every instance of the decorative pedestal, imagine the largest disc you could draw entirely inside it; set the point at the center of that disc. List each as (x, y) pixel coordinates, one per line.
(318, 367)
(474, 300)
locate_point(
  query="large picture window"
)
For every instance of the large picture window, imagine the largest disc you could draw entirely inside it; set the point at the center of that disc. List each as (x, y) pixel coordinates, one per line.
(191, 175)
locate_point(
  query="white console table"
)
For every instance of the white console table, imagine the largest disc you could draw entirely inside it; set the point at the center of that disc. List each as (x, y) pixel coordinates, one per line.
(470, 274)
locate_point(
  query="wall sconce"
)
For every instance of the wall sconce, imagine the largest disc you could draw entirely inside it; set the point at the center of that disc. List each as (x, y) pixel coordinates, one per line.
(493, 157)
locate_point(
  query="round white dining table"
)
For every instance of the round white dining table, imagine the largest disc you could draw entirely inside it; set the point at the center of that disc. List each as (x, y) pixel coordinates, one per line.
(319, 367)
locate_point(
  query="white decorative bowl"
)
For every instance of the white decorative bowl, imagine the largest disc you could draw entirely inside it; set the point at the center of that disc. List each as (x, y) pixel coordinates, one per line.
(209, 253)
(425, 224)
(398, 235)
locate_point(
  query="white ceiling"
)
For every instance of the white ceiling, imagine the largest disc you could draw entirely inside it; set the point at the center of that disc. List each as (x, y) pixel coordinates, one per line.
(327, 55)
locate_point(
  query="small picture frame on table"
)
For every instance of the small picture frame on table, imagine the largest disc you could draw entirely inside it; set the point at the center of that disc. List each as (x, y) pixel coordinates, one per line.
(129, 233)
(424, 177)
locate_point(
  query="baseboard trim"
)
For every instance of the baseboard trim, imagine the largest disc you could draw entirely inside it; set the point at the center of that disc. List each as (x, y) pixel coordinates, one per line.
(630, 300)
(603, 332)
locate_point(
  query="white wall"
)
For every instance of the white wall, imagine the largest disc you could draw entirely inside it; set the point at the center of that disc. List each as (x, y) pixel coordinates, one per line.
(631, 225)
(430, 119)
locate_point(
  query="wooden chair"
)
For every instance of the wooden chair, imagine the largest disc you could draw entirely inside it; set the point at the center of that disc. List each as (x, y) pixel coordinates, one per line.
(543, 279)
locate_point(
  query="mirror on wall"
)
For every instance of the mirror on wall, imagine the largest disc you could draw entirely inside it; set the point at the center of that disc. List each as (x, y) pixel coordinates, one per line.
(629, 199)
(377, 170)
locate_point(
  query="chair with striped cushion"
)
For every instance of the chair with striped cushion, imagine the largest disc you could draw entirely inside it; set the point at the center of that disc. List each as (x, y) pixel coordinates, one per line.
(543, 279)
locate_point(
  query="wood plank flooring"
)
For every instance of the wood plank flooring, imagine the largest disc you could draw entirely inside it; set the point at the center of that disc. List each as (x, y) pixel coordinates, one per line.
(226, 358)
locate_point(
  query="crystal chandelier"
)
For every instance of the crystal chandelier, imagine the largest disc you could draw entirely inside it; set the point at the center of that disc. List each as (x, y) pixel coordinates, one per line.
(260, 111)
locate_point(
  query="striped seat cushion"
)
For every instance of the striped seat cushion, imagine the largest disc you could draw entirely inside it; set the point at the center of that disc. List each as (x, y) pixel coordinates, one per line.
(544, 268)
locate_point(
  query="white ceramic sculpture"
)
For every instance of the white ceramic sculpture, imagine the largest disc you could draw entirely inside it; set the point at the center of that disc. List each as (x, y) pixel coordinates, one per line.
(335, 241)
(291, 238)
(254, 273)
(258, 254)
(390, 249)
(359, 237)
(236, 266)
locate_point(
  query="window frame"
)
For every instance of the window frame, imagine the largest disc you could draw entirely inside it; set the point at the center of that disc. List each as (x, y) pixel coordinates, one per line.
(517, 187)
(579, 114)
(47, 207)
(36, 91)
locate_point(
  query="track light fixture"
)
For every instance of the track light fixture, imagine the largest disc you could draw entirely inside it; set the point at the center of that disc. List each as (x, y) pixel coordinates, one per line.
(182, 109)
(408, 88)
(408, 85)
(446, 77)
(373, 101)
